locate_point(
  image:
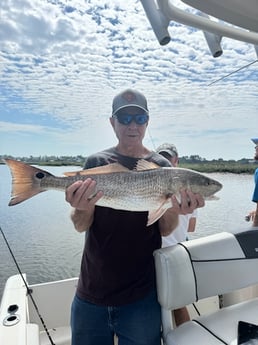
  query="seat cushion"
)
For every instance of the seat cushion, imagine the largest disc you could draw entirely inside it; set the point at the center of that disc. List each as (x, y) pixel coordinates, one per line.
(217, 328)
(191, 333)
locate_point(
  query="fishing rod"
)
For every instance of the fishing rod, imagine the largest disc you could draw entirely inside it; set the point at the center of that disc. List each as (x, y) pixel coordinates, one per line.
(237, 70)
(29, 291)
(151, 138)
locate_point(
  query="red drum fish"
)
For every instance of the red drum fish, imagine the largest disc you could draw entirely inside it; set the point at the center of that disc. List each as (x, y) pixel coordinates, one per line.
(147, 188)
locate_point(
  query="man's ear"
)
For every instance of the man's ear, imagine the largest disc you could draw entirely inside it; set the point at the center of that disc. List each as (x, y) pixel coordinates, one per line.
(112, 121)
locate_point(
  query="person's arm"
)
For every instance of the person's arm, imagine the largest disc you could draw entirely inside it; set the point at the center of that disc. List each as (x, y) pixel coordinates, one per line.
(191, 224)
(82, 196)
(255, 216)
(168, 222)
(188, 203)
(192, 221)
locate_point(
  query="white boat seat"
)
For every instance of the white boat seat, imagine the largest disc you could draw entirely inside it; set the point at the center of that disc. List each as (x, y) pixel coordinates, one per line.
(201, 268)
(13, 313)
(32, 332)
(59, 335)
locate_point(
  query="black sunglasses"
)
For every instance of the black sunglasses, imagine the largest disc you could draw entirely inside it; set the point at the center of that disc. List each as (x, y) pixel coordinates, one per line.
(126, 119)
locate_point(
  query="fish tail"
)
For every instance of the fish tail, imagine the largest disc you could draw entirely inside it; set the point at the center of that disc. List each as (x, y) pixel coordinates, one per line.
(26, 181)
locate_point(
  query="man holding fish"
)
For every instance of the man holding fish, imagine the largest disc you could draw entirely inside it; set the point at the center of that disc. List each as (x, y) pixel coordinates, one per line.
(116, 290)
(126, 198)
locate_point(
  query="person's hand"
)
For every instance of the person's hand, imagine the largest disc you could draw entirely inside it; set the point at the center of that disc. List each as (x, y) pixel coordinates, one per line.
(250, 216)
(187, 202)
(83, 195)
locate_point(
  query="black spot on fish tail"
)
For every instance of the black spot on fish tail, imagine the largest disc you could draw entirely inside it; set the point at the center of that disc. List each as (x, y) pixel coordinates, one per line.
(40, 175)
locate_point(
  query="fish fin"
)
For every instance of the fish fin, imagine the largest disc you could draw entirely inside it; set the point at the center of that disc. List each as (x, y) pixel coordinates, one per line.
(105, 169)
(155, 215)
(142, 164)
(25, 181)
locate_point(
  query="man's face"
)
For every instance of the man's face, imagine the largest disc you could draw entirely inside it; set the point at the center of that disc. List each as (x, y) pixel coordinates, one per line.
(133, 133)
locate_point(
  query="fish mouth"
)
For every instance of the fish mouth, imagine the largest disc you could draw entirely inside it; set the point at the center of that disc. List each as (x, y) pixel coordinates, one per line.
(219, 185)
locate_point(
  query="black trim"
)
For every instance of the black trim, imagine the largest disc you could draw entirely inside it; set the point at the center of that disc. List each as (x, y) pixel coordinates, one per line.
(248, 241)
(209, 331)
(195, 280)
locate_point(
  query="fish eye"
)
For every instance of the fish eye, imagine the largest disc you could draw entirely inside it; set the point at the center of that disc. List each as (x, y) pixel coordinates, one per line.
(40, 175)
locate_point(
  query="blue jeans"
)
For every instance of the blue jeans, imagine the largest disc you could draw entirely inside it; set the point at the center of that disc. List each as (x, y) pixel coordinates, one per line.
(138, 323)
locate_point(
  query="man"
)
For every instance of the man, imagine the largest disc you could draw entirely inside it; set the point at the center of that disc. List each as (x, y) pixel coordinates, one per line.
(186, 224)
(116, 292)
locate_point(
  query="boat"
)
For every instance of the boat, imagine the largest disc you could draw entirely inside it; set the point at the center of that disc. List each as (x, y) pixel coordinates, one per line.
(219, 287)
(36, 314)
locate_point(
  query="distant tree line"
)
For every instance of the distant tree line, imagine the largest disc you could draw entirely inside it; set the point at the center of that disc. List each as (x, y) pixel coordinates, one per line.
(194, 162)
(49, 160)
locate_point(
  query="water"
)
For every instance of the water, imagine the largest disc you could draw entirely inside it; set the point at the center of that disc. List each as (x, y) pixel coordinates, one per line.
(40, 234)
(47, 247)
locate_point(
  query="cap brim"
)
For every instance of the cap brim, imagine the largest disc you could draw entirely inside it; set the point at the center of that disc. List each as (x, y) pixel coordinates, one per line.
(130, 105)
(171, 153)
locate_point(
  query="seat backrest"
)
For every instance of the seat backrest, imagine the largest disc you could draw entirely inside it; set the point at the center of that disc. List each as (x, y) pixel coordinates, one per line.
(205, 267)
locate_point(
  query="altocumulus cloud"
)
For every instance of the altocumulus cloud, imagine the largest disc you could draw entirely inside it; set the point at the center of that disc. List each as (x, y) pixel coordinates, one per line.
(61, 64)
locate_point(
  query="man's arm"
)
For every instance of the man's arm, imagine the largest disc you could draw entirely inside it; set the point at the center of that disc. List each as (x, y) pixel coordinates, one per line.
(191, 224)
(82, 219)
(79, 196)
(168, 222)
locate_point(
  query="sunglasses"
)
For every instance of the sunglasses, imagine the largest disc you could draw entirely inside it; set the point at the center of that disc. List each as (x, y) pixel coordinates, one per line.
(126, 119)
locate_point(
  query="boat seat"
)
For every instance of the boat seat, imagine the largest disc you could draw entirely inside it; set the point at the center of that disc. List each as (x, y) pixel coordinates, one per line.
(13, 313)
(205, 267)
(59, 335)
(32, 331)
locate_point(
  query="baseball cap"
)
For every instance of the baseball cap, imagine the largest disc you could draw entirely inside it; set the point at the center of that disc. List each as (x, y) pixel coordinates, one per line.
(255, 141)
(129, 98)
(168, 148)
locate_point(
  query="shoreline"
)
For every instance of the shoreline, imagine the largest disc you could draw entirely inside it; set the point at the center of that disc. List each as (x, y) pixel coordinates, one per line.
(215, 166)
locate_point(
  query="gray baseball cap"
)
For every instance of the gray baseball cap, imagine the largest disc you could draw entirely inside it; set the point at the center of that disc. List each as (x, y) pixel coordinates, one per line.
(129, 98)
(168, 148)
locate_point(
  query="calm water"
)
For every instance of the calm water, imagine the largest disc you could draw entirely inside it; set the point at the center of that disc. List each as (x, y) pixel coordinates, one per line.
(47, 247)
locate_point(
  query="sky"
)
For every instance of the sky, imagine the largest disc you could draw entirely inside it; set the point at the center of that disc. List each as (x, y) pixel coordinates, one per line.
(62, 62)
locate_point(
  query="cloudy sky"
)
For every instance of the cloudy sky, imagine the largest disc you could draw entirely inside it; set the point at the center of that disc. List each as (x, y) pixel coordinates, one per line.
(62, 62)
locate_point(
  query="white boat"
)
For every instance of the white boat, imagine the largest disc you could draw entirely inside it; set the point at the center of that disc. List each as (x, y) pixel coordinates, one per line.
(214, 269)
(20, 323)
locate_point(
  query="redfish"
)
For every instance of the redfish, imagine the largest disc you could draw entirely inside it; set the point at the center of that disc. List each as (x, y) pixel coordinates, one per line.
(147, 188)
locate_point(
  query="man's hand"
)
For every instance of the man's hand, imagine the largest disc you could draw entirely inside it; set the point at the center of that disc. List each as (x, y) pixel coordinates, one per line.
(187, 204)
(82, 196)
